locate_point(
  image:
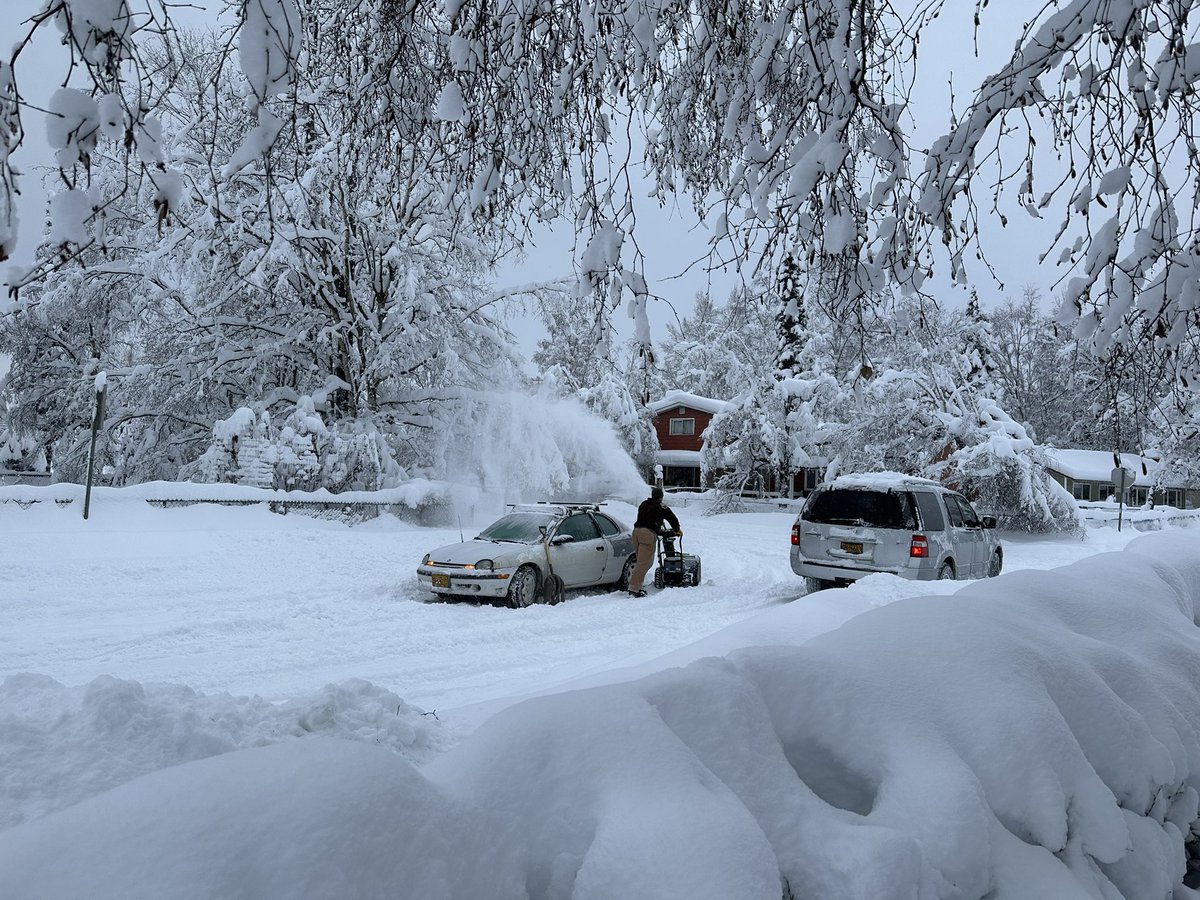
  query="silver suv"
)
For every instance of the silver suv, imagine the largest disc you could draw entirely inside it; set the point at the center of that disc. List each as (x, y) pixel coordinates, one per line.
(857, 525)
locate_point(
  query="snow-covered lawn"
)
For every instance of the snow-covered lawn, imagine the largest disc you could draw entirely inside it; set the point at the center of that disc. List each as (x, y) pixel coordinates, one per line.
(222, 629)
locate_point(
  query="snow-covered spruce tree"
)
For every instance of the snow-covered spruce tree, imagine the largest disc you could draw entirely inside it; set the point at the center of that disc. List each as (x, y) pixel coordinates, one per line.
(976, 343)
(777, 423)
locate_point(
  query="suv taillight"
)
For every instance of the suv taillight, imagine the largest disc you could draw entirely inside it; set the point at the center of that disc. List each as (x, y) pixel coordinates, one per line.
(795, 534)
(920, 546)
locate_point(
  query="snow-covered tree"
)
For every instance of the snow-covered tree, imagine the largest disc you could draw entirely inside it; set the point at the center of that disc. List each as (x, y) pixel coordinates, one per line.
(780, 120)
(319, 271)
(1039, 371)
(780, 413)
(1110, 87)
(997, 465)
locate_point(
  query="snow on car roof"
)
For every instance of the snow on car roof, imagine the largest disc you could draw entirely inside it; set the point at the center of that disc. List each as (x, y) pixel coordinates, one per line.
(882, 480)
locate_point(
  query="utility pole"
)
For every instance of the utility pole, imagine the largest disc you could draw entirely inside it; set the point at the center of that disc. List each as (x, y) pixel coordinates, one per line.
(97, 421)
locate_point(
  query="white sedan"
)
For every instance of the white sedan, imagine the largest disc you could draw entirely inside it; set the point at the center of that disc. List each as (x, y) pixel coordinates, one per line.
(533, 554)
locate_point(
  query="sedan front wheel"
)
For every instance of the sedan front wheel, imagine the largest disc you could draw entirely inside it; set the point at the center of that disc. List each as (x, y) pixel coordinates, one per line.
(523, 589)
(626, 573)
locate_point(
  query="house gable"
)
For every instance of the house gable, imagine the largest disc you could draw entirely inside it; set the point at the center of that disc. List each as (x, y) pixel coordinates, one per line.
(681, 427)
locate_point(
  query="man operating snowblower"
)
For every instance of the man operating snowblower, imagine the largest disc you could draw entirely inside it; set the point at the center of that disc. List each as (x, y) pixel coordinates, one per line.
(650, 518)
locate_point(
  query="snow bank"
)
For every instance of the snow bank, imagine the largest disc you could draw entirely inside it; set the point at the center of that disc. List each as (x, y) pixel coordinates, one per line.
(111, 731)
(1031, 736)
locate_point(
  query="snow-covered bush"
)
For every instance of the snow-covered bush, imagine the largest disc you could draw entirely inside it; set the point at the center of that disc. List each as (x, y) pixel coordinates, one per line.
(21, 454)
(248, 449)
(999, 467)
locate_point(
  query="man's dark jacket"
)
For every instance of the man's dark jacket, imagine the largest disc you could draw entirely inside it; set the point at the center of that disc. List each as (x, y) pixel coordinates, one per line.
(652, 514)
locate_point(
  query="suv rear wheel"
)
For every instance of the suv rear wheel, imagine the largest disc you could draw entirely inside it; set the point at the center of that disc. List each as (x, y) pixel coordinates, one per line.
(812, 585)
(946, 572)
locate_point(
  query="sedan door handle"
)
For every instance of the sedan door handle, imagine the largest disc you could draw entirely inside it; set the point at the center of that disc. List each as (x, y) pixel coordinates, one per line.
(601, 549)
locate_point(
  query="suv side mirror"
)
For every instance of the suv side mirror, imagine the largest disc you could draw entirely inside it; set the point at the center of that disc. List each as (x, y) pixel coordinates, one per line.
(988, 521)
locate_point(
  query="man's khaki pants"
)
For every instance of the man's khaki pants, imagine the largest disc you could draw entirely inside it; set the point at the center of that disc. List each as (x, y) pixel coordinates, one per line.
(644, 542)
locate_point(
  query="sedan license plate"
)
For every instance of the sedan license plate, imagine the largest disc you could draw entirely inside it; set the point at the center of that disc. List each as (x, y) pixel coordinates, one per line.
(852, 547)
(440, 580)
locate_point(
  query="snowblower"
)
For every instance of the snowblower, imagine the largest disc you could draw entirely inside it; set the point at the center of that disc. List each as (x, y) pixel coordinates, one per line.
(675, 568)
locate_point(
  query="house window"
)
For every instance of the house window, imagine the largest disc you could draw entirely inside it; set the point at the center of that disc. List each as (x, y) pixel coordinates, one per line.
(1107, 490)
(1173, 497)
(681, 426)
(1082, 490)
(681, 476)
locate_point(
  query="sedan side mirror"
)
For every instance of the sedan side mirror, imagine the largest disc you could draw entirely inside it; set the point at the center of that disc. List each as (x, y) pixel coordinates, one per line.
(559, 539)
(988, 521)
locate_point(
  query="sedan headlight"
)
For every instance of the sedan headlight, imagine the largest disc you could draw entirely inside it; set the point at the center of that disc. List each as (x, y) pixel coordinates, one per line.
(425, 560)
(485, 564)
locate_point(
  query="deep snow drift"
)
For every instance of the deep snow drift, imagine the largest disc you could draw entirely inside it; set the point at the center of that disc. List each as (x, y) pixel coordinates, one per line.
(1030, 736)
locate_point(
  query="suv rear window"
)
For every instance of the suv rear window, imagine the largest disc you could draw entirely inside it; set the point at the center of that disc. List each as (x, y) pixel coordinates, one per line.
(850, 506)
(931, 511)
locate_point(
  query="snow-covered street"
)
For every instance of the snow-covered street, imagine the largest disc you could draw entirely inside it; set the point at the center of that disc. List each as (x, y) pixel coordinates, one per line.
(249, 602)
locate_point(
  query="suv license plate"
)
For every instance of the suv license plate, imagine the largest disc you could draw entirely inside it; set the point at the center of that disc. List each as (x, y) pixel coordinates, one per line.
(852, 548)
(440, 580)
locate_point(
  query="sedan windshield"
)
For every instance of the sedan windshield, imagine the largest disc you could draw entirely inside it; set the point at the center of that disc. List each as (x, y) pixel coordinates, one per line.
(523, 528)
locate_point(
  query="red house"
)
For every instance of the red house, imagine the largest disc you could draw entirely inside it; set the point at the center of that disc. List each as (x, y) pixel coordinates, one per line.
(680, 419)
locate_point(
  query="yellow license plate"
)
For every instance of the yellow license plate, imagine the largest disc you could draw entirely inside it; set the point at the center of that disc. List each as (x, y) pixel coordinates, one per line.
(849, 547)
(440, 580)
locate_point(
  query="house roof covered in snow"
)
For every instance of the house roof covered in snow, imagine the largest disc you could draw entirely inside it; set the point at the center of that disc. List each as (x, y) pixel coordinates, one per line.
(1097, 465)
(679, 457)
(683, 398)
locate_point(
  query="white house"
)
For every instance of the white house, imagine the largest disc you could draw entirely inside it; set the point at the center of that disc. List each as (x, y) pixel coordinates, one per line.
(1087, 475)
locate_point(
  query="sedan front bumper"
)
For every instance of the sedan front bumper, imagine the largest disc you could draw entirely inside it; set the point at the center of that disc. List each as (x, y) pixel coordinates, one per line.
(464, 582)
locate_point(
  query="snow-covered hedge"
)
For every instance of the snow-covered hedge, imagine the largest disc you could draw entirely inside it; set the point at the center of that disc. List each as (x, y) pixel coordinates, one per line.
(427, 501)
(1035, 735)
